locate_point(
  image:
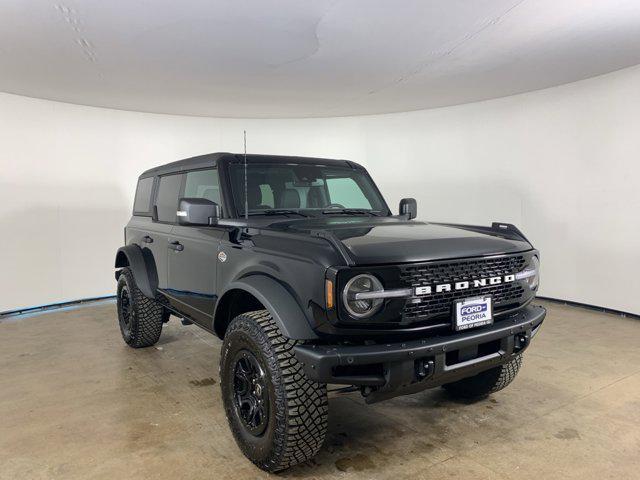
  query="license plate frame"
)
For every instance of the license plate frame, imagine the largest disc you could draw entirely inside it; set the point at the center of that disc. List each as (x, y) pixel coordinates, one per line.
(474, 312)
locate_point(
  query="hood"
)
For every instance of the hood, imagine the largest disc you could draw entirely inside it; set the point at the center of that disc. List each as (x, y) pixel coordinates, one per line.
(373, 241)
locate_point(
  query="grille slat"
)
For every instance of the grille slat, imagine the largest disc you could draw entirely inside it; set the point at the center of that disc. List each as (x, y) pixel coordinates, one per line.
(438, 306)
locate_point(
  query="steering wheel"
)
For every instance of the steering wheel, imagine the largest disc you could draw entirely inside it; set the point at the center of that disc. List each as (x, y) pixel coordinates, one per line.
(335, 205)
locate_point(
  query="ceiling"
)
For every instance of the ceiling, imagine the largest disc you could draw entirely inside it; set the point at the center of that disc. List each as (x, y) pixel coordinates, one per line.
(304, 58)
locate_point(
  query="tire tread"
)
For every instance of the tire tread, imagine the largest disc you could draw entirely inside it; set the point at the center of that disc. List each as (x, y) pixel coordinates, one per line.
(301, 426)
(487, 382)
(147, 327)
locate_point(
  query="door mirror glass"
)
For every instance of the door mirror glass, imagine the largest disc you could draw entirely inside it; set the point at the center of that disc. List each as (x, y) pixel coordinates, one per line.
(198, 211)
(409, 207)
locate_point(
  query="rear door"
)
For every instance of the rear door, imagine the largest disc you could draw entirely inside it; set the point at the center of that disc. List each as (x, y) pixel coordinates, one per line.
(140, 226)
(165, 206)
(193, 254)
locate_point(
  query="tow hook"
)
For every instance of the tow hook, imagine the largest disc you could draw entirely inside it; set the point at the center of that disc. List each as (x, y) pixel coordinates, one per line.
(424, 368)
(366, 391)
(520, 342)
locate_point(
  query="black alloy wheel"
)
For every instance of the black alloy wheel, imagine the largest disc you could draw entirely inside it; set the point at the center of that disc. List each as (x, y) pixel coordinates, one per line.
(251, 397)
(126, 310)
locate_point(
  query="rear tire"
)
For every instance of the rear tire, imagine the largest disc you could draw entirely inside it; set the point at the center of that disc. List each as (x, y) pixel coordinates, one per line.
(140, 318)
(485, 383)
(278, 416)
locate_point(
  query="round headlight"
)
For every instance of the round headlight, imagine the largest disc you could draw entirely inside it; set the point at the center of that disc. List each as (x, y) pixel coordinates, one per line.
(361, 307)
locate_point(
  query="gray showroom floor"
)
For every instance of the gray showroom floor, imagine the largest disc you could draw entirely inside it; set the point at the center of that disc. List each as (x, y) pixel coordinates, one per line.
(76, 403)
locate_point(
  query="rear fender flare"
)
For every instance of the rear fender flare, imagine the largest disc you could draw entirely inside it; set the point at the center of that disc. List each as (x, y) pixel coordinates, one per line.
(284, 309)
(142, 265)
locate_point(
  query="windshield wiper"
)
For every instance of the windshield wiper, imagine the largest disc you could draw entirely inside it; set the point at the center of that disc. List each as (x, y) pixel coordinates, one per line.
(349, 211)
(277, 211)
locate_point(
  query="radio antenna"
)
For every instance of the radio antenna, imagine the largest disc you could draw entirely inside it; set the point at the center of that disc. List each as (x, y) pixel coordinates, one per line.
(246, 190)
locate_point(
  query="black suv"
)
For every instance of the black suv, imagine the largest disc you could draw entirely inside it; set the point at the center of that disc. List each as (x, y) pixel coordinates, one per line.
(301, 268)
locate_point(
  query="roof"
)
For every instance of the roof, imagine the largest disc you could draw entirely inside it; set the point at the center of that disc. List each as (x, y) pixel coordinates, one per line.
(214, 159)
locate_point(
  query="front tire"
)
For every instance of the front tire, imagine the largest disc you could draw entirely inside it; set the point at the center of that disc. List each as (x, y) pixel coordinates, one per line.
(487, 382)
(140, 318)
(278, 416)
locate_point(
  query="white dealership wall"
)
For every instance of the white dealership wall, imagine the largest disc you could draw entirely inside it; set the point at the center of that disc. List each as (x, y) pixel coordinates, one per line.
(560, 163)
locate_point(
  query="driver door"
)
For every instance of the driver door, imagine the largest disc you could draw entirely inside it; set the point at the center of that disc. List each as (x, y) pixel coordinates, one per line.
(193, 254)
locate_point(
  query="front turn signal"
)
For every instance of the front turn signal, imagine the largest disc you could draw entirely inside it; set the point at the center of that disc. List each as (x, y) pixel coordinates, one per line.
(330, 302)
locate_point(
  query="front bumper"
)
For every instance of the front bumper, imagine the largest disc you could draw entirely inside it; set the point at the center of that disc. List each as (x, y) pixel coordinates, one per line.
(393, 369)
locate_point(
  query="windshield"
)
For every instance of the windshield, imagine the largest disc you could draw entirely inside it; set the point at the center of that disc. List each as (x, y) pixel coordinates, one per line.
(305, 190)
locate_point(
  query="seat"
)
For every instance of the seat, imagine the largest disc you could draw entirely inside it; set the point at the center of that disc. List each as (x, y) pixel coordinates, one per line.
(290, 198)
(254, 198)
(314, 198)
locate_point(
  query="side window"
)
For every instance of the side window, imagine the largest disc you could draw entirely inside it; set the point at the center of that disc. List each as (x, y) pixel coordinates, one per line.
(142, 202)
(345, 191)
(203, 184)
(167, 199)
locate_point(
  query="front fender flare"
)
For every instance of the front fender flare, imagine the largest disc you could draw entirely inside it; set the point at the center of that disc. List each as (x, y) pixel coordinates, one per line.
(284, 309)
(142, 266)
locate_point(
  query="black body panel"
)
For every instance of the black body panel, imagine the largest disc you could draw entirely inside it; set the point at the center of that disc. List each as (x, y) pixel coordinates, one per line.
(393, 240)
(194, 289)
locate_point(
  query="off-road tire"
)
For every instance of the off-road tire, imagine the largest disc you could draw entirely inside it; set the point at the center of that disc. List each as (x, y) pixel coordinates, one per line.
(144, 324)
(298, 407)
(487, 382)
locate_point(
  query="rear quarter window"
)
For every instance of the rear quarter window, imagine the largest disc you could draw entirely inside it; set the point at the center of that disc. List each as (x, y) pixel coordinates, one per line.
(142, 202)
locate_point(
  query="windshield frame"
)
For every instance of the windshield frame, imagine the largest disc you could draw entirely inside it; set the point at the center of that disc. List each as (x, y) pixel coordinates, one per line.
(236, 210)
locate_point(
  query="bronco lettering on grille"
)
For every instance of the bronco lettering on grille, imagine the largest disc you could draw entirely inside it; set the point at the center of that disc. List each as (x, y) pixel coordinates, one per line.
(448, 287)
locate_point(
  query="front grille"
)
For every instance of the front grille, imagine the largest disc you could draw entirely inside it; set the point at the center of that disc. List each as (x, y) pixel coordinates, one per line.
(437, 307)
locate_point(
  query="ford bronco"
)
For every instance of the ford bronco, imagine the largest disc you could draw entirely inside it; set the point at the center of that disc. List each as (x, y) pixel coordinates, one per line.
(309, 279)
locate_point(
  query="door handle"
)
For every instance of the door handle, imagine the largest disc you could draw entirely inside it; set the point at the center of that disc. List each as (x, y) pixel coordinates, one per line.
(147, 239)
(176, 246)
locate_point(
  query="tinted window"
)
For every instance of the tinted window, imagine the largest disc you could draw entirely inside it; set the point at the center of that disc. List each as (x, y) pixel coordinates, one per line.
(311, 188)
(167, 200)
(203, 184)
(345, 191)
(142, 202)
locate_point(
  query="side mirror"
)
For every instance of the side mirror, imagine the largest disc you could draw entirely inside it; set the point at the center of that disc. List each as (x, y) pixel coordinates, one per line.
(409, 207)
(198, 211)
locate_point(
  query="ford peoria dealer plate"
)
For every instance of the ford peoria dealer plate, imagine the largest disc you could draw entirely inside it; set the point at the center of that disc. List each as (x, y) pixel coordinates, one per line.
(473, 312)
